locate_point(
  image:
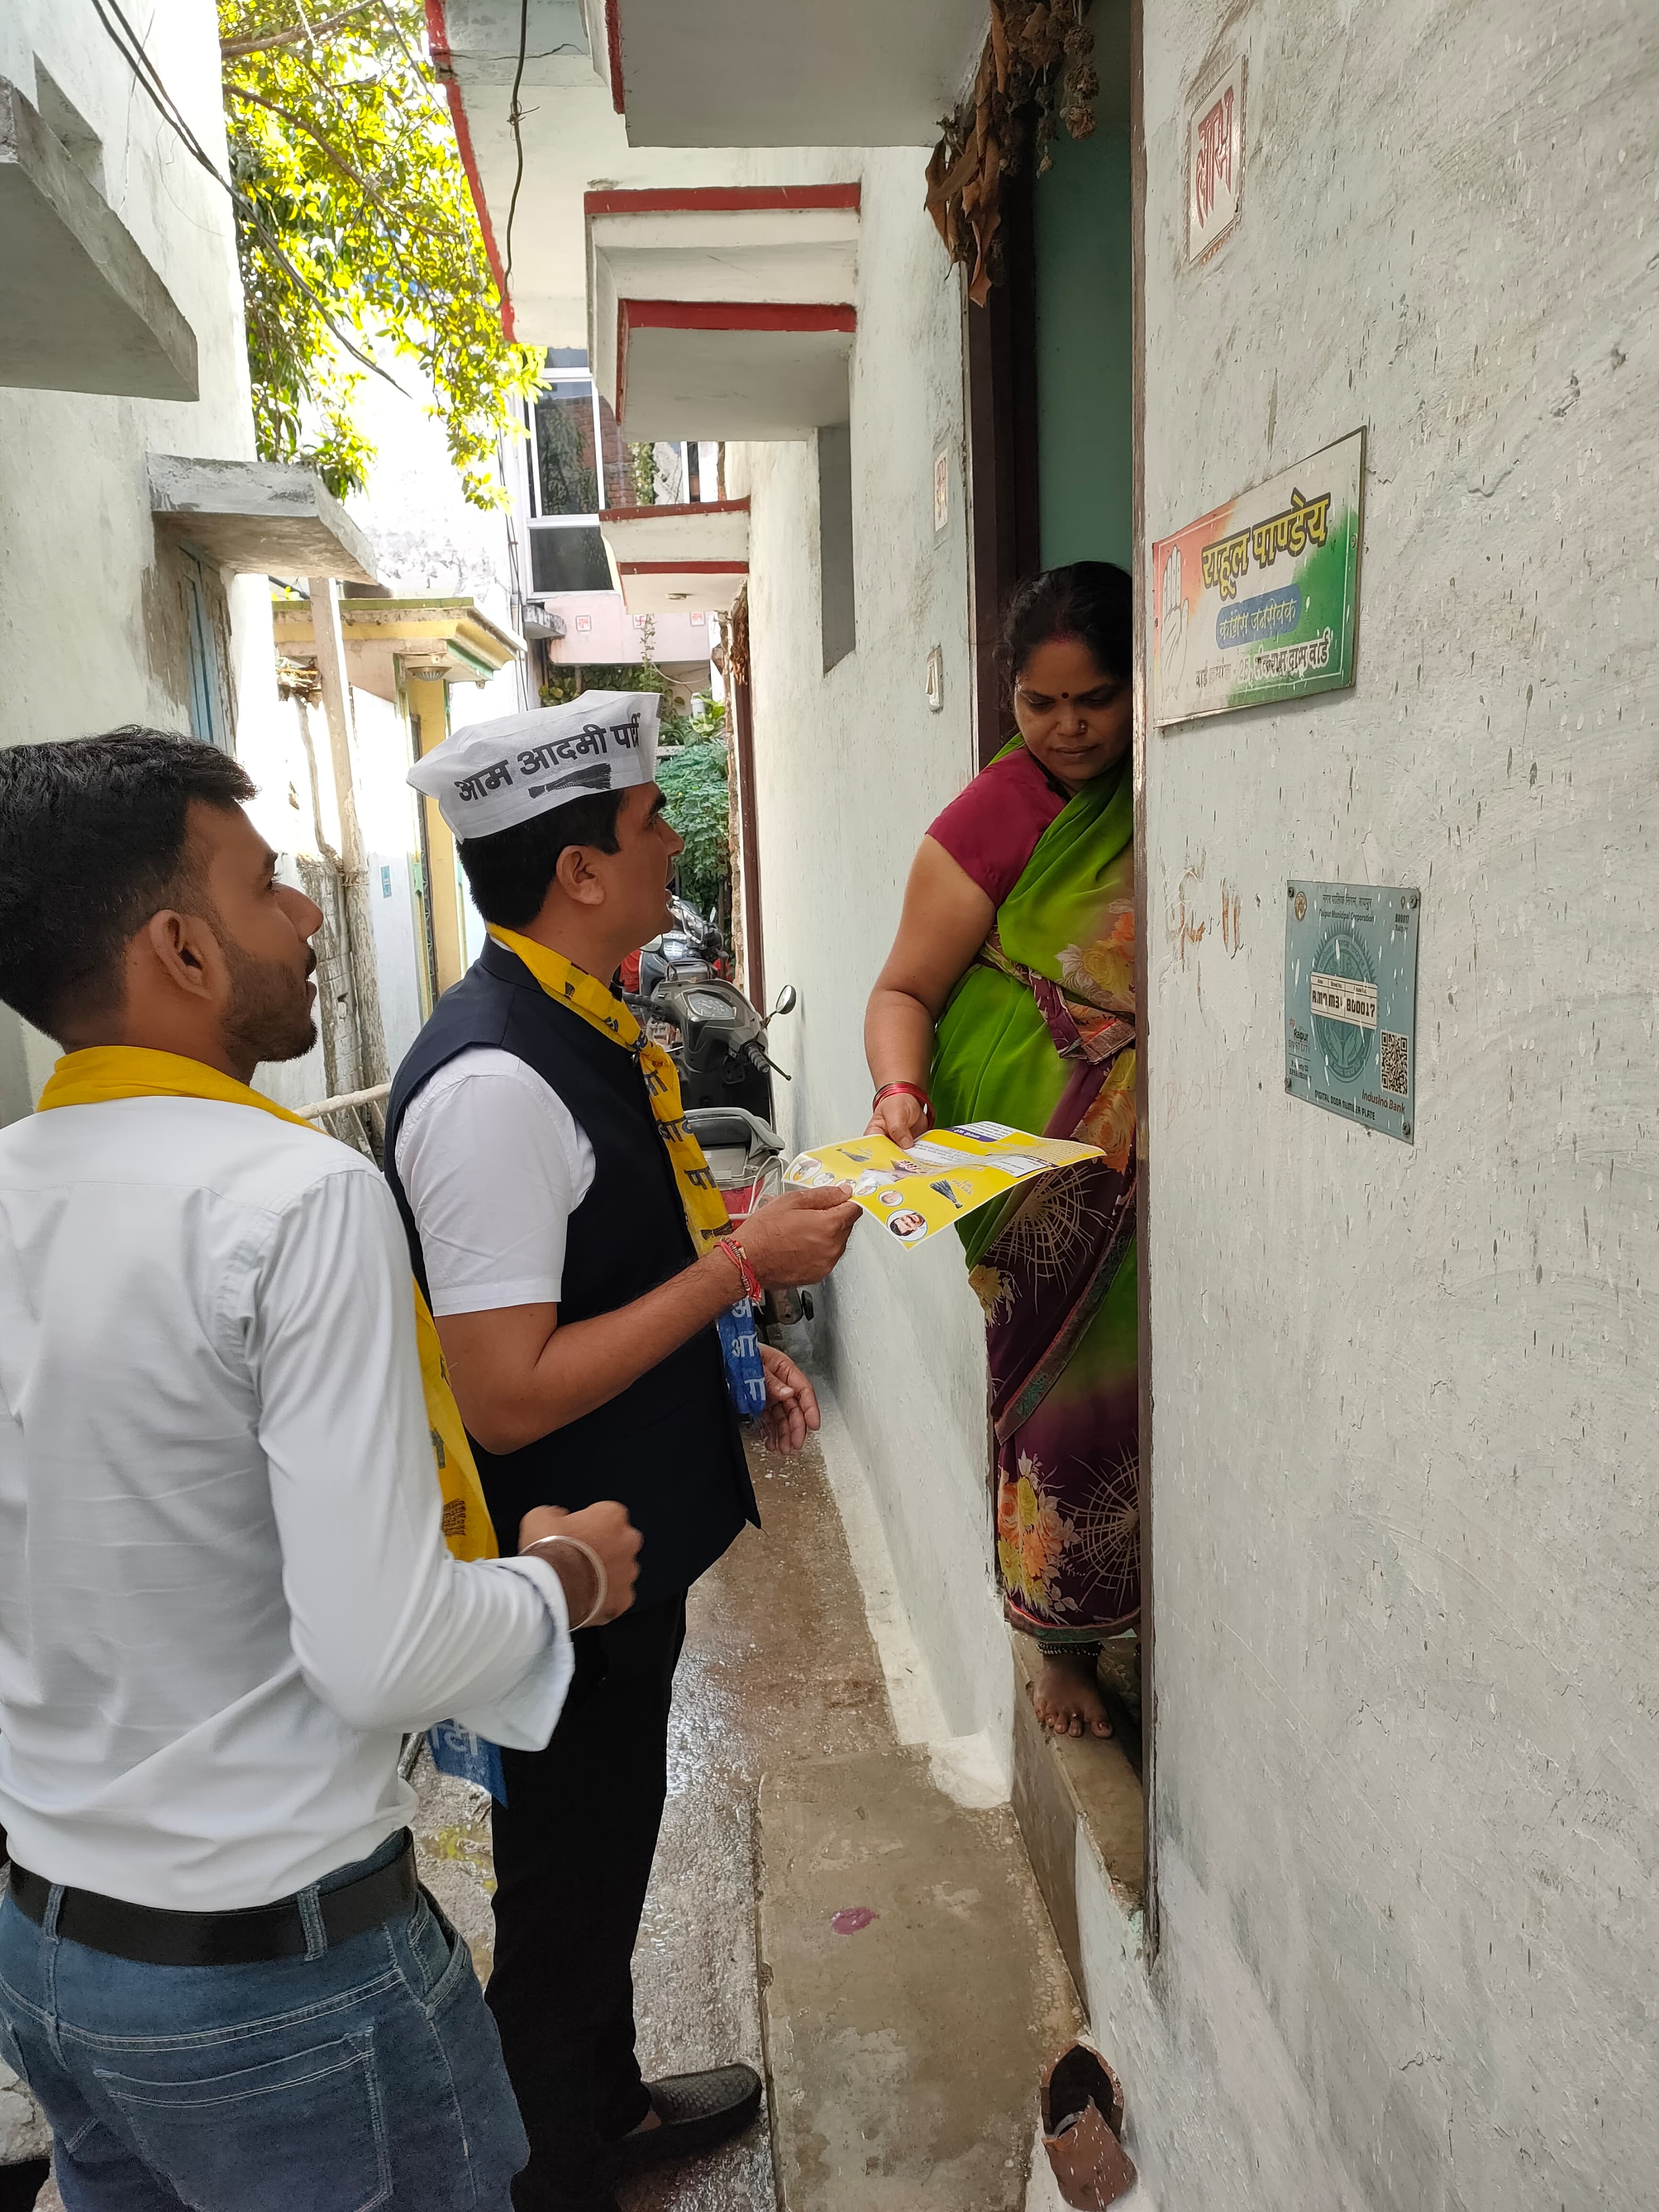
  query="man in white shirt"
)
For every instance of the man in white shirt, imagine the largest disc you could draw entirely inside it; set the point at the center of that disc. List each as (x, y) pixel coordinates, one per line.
(561, 1221)
(224, 1592)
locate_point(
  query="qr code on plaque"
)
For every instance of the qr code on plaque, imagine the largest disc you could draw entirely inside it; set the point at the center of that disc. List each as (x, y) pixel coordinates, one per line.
(1394, 1072)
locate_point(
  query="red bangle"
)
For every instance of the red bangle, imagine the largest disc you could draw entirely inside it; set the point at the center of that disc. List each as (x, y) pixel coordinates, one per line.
(752, 1282)
(914, 1090)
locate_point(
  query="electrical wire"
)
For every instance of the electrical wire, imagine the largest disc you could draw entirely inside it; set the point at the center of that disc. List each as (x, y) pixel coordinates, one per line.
(132, 51)
(516, 117)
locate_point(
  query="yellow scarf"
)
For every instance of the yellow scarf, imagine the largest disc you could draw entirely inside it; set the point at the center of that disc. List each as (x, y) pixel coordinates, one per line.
(119, 1071)
(705, 1216)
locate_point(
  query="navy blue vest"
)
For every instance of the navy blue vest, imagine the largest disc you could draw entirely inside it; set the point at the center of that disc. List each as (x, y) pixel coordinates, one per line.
(668, 1446)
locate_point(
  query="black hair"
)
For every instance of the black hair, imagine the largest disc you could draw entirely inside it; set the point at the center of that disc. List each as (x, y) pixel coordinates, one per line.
(92, 843)
(511, 872)
(1090, 600)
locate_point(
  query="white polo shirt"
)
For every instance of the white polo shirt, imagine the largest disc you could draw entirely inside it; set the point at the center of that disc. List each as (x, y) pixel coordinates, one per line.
(224, 1593)
(491, 1240)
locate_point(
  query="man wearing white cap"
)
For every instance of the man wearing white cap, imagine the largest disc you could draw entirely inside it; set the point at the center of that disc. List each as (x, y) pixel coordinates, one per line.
(576, 1257)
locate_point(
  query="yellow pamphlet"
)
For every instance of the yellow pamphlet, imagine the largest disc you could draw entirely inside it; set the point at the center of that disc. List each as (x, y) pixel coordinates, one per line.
(914, 1192)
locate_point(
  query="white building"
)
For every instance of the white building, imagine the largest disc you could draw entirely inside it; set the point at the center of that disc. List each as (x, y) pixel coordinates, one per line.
(569, 475)
(139, 537)
(1387, 1934)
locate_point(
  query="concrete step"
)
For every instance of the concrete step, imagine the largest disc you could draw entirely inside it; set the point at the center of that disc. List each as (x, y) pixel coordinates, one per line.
(1063, 1785)
(905, 2048)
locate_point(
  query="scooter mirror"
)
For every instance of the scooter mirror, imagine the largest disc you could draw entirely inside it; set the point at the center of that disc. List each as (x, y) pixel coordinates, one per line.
(786, 1003)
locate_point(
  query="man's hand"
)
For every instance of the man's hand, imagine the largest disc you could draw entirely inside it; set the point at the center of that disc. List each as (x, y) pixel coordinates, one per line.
(607, 1531)
(791, 1406)
(900, 1116)
(798, 1236)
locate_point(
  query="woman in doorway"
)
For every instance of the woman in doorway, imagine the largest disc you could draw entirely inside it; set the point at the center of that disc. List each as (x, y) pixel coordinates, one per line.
(1009, 997)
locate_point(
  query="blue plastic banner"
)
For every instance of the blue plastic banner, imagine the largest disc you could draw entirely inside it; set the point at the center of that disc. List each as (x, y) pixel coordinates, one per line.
(457, 1751)
(745, 1377)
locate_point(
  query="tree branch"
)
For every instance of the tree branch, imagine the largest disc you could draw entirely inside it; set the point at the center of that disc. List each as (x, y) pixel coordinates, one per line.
(334, 158)
(403, 216)
(250, 216)
(255, 42)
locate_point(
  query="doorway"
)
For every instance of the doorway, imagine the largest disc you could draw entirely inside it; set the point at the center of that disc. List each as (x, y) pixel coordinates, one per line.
(1051, 396)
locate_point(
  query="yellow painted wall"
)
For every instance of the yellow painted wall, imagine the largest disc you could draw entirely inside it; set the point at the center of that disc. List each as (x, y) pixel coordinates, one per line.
(428, 721)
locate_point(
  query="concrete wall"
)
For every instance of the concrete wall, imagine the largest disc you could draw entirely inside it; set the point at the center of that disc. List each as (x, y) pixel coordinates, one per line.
(92, 630)
(391, 844)
(1407, 1763)
(428, 538)
(851, 767)
(1405, 1778)
(613, 634)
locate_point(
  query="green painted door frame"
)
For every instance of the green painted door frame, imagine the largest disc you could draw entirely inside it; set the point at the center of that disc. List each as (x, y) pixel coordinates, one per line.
(1084, 352)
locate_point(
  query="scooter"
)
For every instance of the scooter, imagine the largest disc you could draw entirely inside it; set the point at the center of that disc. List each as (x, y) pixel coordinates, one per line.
(691, 946)
(717, 1042)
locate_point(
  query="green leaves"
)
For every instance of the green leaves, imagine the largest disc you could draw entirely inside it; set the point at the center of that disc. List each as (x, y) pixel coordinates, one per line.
(568, 681)
(692, 777)
(693, 781)
(355, 225)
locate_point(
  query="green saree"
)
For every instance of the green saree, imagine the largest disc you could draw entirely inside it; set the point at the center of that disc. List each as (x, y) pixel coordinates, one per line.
(1039, 1034)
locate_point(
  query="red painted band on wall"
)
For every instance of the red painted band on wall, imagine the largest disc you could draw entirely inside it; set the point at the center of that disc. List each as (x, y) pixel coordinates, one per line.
(682, 567)
(690, 507)
(717, 315)
(613, 51)
(735, 315)
(724, 199)
(443, 63)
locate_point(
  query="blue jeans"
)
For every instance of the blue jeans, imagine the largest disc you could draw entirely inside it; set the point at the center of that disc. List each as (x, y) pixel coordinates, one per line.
(365, 2074)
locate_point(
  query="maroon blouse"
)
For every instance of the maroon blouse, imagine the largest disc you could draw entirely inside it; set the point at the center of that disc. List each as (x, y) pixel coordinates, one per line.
(991, 829)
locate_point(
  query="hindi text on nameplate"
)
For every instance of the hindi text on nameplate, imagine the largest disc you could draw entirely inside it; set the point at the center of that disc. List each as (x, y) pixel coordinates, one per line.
(1259, 600)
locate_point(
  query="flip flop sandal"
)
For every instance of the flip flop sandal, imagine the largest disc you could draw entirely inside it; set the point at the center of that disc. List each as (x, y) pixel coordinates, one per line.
(1082, 2121)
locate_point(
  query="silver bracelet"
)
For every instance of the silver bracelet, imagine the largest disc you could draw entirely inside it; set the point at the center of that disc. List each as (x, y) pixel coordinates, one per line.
(593, 1560)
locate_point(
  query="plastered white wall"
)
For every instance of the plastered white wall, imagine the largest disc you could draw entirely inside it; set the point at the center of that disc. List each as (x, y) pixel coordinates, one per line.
(77, 542)
(428, 540)
(89, 634)
(1404, 1540)
(851, 768)
(1403, 1516)
(428, 537)
(391, 838)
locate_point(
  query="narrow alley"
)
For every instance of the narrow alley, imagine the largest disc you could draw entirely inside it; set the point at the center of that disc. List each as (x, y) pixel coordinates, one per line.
(781, 1674)
(779, 1667)
(951, 703)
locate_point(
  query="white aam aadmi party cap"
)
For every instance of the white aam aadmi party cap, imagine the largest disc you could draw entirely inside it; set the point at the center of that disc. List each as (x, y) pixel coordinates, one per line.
(492, 774)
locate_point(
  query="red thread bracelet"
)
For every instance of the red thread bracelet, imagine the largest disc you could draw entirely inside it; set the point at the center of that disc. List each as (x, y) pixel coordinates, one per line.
(914, 1090)
(752, 1282)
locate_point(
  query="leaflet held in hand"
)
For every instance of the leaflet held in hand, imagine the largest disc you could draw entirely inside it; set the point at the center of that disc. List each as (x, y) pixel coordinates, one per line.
(916, 1190)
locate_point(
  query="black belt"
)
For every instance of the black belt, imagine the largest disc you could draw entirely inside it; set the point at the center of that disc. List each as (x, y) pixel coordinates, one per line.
(155, 1937)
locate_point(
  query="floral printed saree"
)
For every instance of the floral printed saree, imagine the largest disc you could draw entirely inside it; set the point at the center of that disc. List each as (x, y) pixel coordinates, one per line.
(1039, 1034)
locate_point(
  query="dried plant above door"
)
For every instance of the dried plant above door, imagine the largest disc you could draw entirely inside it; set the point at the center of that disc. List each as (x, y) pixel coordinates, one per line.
(1035, 73)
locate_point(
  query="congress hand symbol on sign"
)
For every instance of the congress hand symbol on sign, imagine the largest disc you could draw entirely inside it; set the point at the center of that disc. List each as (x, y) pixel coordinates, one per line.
(1174, 628)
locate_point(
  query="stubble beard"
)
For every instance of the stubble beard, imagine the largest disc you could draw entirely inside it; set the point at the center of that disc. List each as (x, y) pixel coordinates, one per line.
(269, 1015)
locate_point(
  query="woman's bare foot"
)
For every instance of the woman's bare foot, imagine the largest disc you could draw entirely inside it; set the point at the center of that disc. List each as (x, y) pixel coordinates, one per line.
(1066, 1697)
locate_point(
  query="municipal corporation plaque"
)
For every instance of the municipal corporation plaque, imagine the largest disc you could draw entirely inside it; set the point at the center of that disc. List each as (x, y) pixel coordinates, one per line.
(1350, 1001)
